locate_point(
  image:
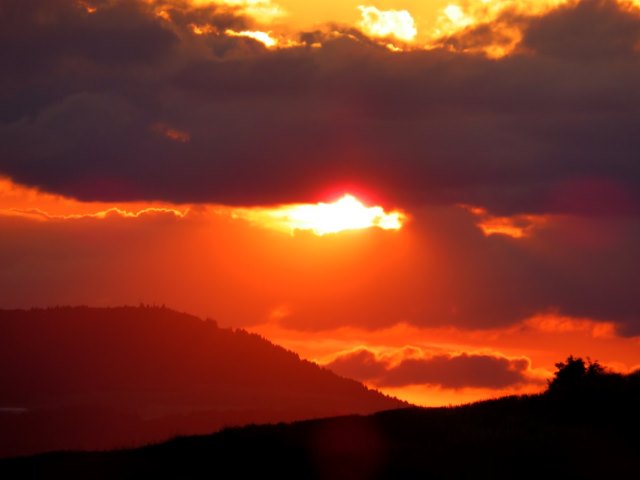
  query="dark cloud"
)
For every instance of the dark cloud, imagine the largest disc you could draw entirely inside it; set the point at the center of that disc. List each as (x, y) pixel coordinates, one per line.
(447, 371)
(41, 35)
(361, 364)
(271, 126)
(587, 30)
(475, 371)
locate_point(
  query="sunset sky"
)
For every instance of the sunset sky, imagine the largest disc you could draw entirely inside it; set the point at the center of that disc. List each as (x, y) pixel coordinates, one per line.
(440, 199)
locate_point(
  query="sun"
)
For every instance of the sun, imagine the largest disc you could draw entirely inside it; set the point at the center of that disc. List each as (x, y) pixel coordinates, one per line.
(346, 213)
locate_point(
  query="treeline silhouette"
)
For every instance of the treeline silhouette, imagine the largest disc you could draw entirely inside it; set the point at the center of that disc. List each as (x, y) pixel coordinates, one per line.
(584, 426)
(104, 378)
(576, 378)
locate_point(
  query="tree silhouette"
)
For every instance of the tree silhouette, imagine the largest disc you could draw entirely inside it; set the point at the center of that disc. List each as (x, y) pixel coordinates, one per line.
(575, 374)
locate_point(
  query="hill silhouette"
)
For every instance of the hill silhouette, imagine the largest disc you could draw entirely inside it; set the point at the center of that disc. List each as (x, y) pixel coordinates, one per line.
(585, 426)
(104, 378)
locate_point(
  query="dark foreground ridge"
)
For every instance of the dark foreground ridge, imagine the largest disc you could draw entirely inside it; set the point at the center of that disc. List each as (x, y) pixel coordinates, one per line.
(104, 378)
(585, 426)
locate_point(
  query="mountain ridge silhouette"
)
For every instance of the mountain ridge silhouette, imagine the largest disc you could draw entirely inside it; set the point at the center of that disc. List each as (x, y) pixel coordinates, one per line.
(103, 378)
(584, 426)
(562, 436)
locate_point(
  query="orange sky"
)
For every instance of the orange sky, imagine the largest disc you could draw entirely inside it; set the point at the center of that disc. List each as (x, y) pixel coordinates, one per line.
(438, 198)
(284, 285)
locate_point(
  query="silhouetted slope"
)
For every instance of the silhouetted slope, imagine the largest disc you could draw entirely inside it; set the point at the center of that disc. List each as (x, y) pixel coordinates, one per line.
(587, 432)
(106, 378)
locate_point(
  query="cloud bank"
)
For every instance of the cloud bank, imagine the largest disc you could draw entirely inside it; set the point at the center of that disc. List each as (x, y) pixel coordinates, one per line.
(127, 103)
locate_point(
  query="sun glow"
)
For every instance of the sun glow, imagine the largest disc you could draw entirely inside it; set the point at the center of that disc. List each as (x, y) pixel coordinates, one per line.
(347, 213)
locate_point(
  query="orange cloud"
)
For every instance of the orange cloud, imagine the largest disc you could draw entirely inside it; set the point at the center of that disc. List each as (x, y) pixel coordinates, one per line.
(262, 10)
(88, 8)
(113, 211)
(398, 24)
(516, 226)
(493, 28)
(202, 29)
(171, 133)
(554, 323)
(263, 37)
